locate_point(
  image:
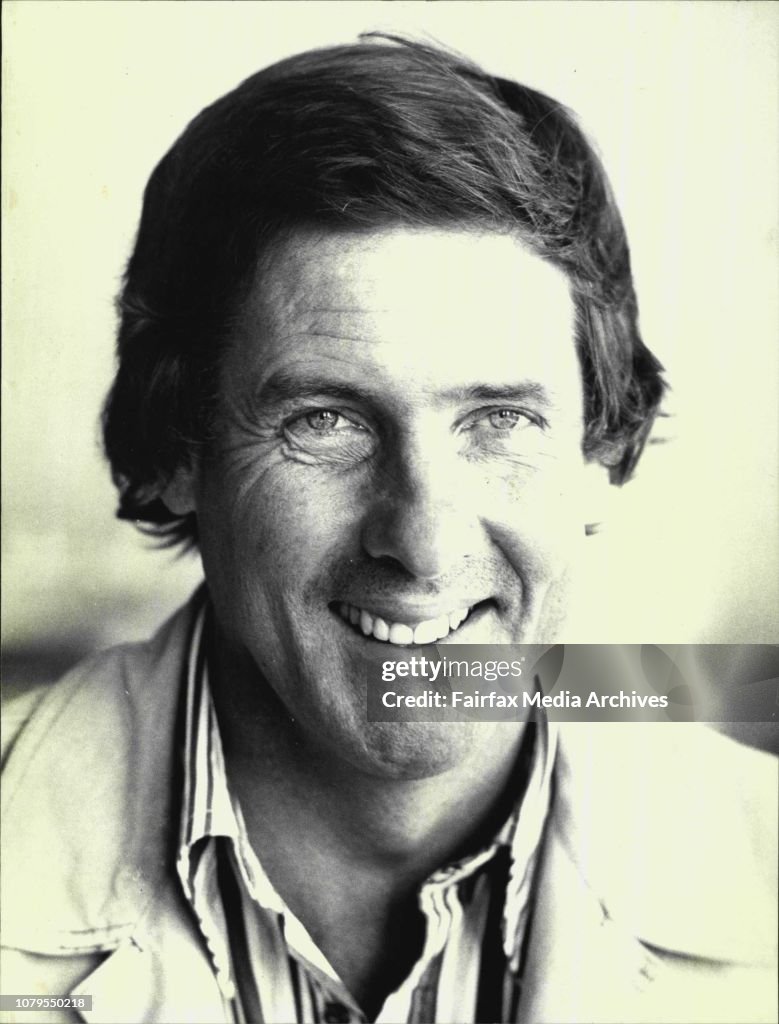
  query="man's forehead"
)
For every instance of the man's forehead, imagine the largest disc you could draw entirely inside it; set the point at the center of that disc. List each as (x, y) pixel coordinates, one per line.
(415, 312)
(326, 278)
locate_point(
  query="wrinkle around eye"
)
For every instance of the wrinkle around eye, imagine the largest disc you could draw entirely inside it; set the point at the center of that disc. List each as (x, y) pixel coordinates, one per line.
(345, 441)
(522, 440)
(240, 424)
(344, 453)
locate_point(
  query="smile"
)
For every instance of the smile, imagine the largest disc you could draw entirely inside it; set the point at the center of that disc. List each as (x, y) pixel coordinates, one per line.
(401, 633)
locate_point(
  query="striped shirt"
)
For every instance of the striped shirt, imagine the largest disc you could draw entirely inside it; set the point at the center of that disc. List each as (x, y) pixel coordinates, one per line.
(477, 911)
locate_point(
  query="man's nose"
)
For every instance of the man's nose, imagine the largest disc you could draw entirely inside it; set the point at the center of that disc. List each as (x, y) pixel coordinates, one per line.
(423, 516)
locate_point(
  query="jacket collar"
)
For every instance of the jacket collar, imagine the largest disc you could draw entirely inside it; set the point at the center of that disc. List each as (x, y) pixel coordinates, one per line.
(672, 828)
(67, 812)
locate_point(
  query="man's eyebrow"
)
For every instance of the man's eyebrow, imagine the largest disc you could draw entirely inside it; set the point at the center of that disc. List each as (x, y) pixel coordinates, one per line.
(518, 391)
(284, 386)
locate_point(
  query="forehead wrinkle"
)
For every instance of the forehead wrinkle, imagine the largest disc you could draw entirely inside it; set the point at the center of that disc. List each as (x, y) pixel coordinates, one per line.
(350, 309)
(297, 321)
(334, 337)
(283, 292)
(295, 305)
(304, 277)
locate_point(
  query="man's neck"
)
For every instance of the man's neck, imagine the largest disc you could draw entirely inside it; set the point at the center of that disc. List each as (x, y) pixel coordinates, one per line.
(403, 826)
(363, 844)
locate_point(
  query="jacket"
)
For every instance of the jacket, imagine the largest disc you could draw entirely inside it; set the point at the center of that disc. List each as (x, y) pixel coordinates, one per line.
(656, 896)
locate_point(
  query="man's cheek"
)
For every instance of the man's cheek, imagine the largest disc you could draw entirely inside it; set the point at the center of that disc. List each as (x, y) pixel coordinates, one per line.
(543, 501)
(290, 538)
(539, 538)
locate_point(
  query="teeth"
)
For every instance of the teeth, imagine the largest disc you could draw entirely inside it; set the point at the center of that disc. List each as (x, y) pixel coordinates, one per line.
(426, 633)
(399, 632)
(441, 627)
(380, 629)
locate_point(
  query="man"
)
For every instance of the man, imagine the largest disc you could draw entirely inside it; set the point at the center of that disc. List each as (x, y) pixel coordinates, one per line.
(378, 349)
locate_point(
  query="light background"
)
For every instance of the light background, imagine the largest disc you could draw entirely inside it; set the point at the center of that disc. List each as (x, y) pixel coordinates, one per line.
(681, 99)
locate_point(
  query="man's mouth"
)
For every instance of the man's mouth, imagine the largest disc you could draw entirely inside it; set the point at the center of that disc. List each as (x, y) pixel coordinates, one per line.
(426, 631)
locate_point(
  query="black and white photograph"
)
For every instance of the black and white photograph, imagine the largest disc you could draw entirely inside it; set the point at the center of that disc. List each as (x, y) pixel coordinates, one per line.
(390, 512)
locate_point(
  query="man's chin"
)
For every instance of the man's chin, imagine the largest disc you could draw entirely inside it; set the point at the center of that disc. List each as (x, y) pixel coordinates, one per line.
(412, 750)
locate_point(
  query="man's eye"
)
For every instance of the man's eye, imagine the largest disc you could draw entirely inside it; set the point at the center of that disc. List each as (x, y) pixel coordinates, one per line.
(323, 423)
(329, 434)
(508, 419)
(323, 420)
(503, 430)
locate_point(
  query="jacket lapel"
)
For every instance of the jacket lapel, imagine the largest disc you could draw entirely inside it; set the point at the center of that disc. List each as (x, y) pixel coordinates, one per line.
(651, 905)
(162, 974)
(581, 965)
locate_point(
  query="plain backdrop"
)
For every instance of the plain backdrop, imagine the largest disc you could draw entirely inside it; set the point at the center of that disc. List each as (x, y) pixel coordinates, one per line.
(681, 99)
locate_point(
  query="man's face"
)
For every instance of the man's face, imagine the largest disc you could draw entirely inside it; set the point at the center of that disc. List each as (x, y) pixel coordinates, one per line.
(397, 460)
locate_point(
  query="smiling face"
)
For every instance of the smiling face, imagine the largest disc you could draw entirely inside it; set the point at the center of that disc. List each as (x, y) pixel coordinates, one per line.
(397, 458)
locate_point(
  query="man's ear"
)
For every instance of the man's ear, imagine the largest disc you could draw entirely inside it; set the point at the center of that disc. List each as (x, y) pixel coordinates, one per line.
(596, 496)
(178, 494)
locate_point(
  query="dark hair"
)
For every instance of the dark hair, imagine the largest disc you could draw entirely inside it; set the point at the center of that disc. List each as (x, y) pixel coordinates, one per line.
(381, 132)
